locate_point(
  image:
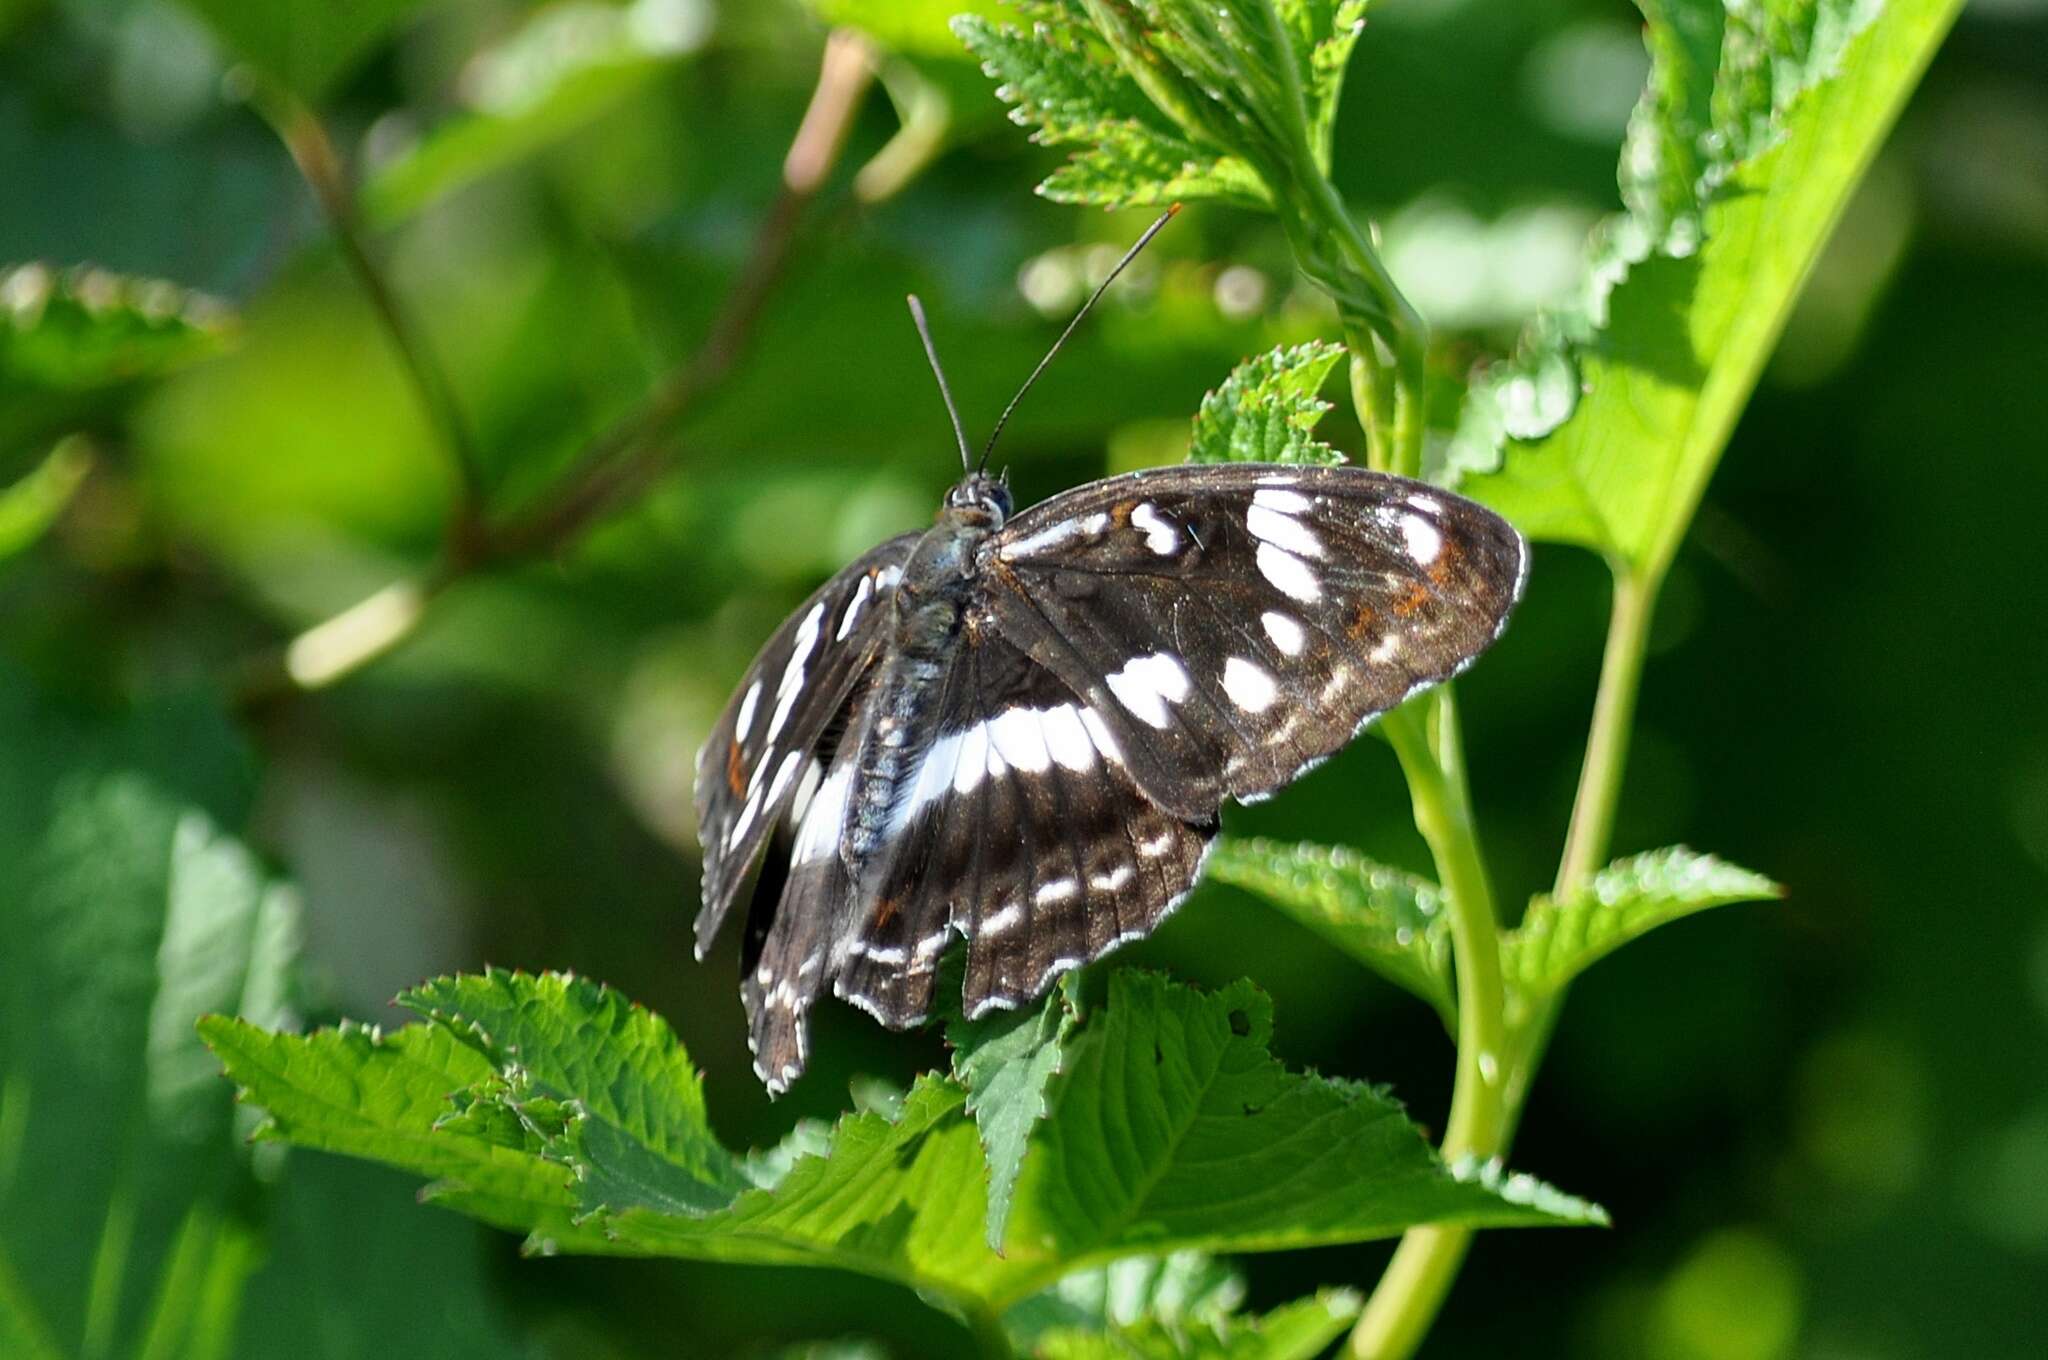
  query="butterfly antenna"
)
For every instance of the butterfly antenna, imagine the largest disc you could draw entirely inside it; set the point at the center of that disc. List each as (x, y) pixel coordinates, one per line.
(931, 353)
(1086, 307)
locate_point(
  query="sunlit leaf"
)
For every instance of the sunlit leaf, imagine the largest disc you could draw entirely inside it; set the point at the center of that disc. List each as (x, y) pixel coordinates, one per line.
(631, 1087)
(1006, 1060)
(1559, 939)
(1393, 923)
(1173, 100)
(1171, 1127)
(1605, 429)
(1267, 410)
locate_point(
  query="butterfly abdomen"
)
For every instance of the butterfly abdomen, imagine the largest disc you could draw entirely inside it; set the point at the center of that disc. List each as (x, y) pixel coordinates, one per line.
(897, 730)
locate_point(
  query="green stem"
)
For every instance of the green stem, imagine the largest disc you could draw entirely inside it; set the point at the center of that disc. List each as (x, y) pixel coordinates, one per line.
(1614, 707)
(1426, 739)
(989, 1337)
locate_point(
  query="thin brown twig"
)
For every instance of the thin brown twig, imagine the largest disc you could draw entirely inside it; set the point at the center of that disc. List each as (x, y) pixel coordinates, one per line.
(320, 165)
(619, 462)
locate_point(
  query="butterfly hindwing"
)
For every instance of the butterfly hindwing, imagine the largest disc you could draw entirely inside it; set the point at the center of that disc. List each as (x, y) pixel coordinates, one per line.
(750, 766)
(1021, 831)
(1234, 624)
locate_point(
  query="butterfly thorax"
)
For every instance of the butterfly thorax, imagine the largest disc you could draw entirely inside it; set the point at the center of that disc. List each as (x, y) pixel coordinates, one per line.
(895, 728)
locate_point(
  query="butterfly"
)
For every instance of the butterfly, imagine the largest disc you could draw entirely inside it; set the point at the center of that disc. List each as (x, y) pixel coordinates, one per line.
(1018, 728)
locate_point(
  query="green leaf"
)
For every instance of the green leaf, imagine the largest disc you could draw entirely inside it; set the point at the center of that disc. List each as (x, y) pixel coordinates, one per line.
(1176, 1128)
(1266, 411)
(561, 71)
(1066, 84)
(358, 1091)
(31, 505)
(1670, 341)
(1296, 1331)
(1558, 940)
(1006, 1060)
(631, 1092)
(1171, 1127)
(303, 46)
(1392, 922)
(1173, 100)
(1181, 1286)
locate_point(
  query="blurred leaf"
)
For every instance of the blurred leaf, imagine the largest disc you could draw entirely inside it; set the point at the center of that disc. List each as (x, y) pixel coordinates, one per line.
(32, 504)
(1294, 1331)
(1671, 339)
(1006, 1060)
(1393, 923)
(124, 912)
(1558, 940)
(1182, 1286)
(68, 338)
(303, 46)
(915, 28)
(23, 1332)
(1172, 1127)
(567, 66)
(1267, 409)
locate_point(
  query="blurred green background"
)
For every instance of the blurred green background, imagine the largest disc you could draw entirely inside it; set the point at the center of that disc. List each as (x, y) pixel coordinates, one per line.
(1821, 1127)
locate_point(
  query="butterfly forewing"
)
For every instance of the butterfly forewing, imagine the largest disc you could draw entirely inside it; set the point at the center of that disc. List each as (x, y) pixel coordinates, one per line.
(1235, 624)
(750, 767)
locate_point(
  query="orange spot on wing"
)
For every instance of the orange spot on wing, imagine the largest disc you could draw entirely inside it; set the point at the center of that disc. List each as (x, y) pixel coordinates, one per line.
(735, 770)
(886, 912)
(1417, 596)
(1362, 620)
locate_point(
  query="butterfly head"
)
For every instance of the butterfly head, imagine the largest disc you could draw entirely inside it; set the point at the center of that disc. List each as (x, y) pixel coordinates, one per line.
(977, 501)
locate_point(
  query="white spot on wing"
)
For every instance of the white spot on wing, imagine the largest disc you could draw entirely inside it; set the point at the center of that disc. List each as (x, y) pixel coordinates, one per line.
(1428, 505)
(1162, 535)
(1056, 890)
(1066, 739)
(853, 608)
(1388, 648)
(818, 834)
(1104, 739)
(1285, 630)
(1147, 684)
(1047, 538)
(1018, 737)
(1248, 685)
(1289, 574)
(1286, 502)
(1114, 879)
(1283, 531)
(1422, 539)
(971, 764)
(1001, 921)
(745, 721)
